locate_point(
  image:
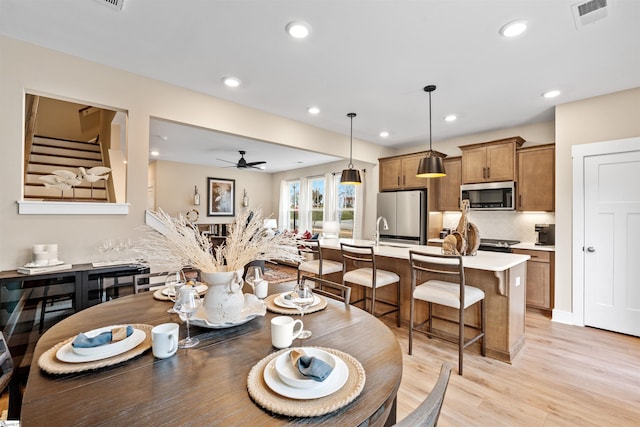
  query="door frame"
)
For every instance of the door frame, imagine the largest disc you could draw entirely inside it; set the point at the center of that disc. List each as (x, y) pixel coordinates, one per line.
(578, 154)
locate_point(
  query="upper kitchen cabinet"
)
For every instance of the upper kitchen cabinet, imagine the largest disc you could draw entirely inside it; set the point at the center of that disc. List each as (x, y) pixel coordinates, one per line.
(399, 173)
(449, 185)
(490, 161)
(536, 178)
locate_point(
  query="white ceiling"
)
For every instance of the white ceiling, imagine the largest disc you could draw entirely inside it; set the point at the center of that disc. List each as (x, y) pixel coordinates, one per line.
(369, 57)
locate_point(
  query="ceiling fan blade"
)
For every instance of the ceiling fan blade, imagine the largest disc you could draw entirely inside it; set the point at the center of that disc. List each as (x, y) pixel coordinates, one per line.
(252, 164)
(227, 161)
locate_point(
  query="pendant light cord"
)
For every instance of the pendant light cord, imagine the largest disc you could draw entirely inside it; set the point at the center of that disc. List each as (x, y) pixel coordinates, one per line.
(430, 121)
(351, 115)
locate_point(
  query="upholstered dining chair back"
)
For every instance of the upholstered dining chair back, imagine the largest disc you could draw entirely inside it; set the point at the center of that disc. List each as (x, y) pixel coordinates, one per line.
(428, 412)
(330, 289)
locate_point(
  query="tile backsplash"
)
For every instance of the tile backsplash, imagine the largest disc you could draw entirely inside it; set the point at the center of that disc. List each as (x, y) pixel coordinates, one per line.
(503, 225)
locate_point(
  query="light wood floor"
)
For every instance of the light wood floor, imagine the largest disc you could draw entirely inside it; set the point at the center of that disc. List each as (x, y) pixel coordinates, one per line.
(564, 376)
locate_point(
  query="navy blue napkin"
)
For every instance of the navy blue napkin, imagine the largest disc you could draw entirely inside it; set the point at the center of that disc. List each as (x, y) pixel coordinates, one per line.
(83, 341)
(314, 368)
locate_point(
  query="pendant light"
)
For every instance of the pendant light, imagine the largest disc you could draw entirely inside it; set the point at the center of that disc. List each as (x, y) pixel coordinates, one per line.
(351, 175)
(431, 165)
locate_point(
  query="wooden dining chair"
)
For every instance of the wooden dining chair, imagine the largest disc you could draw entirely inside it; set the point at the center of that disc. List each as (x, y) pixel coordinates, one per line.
(455, 294)
(147, 281)
(315, 265)
(428, 412)
(367, 275)
(330, 289)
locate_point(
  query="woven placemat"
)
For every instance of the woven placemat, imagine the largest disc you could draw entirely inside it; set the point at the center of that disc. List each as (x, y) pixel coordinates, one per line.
(48, 361)
(271, 306)
(272, 401)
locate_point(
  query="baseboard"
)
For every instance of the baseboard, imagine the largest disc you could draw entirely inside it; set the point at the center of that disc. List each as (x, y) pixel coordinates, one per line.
(561, 316)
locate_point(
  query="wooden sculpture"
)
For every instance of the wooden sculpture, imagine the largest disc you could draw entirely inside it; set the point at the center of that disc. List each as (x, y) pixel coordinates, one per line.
(466, 239)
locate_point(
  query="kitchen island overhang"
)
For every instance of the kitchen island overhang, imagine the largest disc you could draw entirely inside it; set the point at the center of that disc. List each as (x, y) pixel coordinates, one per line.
(502, 276)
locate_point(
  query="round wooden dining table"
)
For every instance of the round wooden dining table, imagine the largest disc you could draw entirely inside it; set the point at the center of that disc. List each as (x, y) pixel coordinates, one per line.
(206, 385)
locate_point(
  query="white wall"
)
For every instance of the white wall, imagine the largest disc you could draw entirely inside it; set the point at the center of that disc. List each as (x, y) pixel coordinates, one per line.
(30, 68)
(174, 187)
(602, 118)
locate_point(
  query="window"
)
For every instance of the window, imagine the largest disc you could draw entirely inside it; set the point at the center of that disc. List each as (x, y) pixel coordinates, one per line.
(293, 208)
(345, 207)
(317, 204)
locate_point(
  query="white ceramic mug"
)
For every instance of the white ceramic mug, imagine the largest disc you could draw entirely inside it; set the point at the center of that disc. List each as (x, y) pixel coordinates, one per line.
(283, 331)
(164, 340)
(261, 289)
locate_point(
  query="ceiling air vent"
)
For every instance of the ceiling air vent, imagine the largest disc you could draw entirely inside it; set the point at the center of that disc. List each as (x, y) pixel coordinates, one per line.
(115, 4)
(591, 11)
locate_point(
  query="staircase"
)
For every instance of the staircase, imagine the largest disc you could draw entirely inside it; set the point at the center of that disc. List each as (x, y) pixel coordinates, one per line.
(80, 133)
(51, 154)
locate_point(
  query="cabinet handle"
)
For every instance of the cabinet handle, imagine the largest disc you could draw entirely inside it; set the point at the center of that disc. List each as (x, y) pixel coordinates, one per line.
(488, 172)
(404, 180)
(484, 173)
(398, 181)
(520, 200)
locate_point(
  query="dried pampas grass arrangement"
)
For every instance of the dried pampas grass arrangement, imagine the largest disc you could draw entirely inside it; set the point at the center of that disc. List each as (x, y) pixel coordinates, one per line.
(176, 243)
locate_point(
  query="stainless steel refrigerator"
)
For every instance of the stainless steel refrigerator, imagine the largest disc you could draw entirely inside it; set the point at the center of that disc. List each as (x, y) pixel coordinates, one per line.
(406, 213)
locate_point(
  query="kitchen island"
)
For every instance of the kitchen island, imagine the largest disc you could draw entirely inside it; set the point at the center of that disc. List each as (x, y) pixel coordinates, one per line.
(502, 277)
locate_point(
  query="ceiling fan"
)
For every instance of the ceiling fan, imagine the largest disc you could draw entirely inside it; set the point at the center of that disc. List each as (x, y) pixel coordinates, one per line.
(243, 164)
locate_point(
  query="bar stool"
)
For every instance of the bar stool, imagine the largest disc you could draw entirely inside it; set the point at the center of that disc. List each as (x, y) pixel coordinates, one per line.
(316, 265)
(457, 295)
(369, 277)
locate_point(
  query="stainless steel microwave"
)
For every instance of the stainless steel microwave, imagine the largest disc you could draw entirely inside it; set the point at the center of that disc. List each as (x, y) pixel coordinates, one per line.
(489, 196)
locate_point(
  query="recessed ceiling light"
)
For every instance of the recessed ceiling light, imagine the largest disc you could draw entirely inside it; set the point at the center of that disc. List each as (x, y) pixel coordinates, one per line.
(384, 134)
(154, 153)
(513, 28)
(551, 93)
(450, 118)
(231, 81)
(313, 110)
(298, 29)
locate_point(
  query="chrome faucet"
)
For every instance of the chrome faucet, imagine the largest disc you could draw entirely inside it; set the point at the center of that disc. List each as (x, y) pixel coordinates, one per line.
(385, 226)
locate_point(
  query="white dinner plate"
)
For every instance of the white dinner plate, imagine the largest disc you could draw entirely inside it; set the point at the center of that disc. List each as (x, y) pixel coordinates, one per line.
(282, 302)
(290, 374)
(105, 348)
(200, 288)
(333, 383)
(66, 353)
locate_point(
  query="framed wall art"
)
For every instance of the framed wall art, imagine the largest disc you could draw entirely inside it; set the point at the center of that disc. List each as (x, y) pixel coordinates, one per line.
(221, 197)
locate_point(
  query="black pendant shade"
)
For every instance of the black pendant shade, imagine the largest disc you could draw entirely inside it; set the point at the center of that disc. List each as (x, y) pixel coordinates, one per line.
(431, 165)
(350, 175)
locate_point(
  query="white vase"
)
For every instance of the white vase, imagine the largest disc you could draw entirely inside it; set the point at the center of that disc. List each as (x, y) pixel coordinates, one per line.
(224, 299)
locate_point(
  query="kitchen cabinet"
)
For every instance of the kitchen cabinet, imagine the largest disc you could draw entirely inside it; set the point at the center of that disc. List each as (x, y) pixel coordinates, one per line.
(449, 186)
(536, 178)
(540, 278)
(399, 173)
(490, 161)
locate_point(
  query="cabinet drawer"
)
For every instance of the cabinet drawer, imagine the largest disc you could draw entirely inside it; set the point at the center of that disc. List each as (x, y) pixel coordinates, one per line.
(536, 256)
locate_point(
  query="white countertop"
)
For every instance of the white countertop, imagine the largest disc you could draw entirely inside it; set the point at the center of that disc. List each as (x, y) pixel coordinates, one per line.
(484, 260)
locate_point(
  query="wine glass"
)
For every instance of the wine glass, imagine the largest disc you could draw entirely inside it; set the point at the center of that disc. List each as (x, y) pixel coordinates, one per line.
(253, 276)
(186, 304)
(302, 297)
(174, 282)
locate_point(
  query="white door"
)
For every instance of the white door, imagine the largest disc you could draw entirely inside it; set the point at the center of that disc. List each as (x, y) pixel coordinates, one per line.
(612, 242)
